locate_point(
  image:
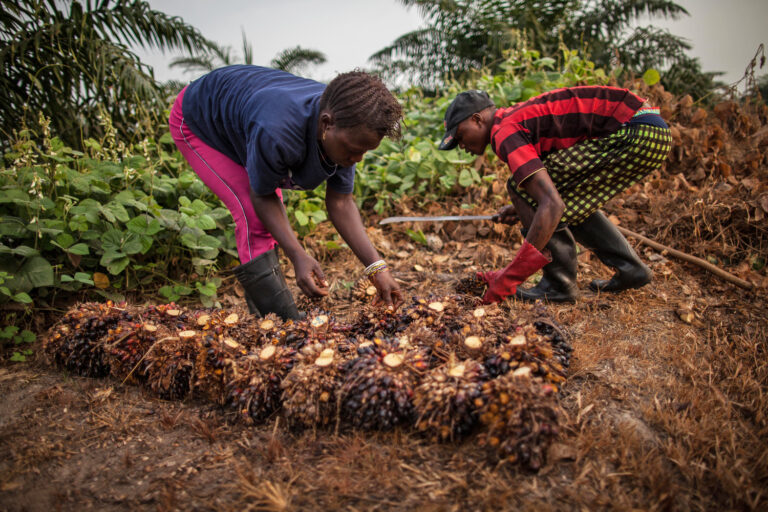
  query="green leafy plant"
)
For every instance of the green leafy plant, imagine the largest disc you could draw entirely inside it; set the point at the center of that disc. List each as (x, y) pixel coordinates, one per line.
(110, 220)
(21, 339)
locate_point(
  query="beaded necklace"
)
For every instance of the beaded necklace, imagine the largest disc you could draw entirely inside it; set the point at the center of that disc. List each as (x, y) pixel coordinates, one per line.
(328, 164)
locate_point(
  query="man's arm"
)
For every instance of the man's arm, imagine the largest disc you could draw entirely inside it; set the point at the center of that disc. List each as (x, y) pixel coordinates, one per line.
(542, 221)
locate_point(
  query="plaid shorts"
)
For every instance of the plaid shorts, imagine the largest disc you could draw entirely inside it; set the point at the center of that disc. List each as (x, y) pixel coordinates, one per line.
(591, 172)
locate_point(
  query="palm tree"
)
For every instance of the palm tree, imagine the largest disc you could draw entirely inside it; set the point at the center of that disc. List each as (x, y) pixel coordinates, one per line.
(462, 35)
(69, 59)
(293, 60)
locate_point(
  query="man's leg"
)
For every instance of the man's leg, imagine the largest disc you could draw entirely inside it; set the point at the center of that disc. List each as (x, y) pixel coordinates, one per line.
(558, 281)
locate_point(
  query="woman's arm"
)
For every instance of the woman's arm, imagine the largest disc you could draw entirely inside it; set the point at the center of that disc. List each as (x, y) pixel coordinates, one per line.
(270, 210)
(345, 216)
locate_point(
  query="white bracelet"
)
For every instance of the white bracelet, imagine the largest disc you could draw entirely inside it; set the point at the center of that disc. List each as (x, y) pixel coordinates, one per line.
(375, 268)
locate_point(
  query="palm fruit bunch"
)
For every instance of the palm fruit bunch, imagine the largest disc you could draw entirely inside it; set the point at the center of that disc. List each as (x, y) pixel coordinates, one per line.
(554, 335)
(127, 343)
(169, 365)
(376, 320)
(445, 400)
(363, 291)
(311, 388)
(311, 304)
(471, 285)
(488, 320)
(525, 314)
(76, 342)
(526, 348)
(171, 315)
(439, 314)
(253, 381)
(520, 417)
(377, 391)
(436, 348)
(215, 357)
(270, 330)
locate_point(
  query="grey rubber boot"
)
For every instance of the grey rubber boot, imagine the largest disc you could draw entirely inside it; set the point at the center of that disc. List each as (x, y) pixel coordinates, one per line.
(558, 281)
(265, 288)
(601, 236)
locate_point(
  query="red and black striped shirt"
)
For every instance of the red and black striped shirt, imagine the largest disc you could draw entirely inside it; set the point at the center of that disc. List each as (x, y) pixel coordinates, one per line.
(525, 133)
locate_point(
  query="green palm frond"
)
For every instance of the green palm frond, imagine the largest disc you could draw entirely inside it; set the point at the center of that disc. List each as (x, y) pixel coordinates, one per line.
(294, 60)
(194, 64)
(247, 49)
(69, 59)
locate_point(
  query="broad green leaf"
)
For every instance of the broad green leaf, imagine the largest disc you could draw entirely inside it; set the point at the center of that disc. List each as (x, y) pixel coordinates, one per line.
(132, 244)
(182, 289)
(22, 298)
(84, 278)
(651, 77)
(118, 266)
(301, 218)
(38, 272)
(465, 178)
(12, 227)
(80, 249)
(18, 357)
(27, 336)
(144, 225)
(116, 210)
(110, 256)
(168, 292)
(208, 289)
(64, 240)
(8, 332)
(14, 195)
(205, 222)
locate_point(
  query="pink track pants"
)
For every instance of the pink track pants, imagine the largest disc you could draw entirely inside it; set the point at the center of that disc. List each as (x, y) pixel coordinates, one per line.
(228, 180)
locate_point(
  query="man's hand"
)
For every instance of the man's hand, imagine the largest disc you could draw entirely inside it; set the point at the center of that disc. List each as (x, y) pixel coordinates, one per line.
(309, 276)
(388, 289)
(503, 283)
(506, 215)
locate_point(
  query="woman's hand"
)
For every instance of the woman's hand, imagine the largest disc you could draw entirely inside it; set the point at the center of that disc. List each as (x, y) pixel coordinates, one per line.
(389, 290)
(506, 215)
(309, 276)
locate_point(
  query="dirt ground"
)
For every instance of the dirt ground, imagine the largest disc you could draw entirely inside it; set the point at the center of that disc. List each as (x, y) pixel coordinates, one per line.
(666, 410)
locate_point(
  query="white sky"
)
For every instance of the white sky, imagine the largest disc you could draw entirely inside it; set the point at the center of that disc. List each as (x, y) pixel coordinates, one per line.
(724, 34)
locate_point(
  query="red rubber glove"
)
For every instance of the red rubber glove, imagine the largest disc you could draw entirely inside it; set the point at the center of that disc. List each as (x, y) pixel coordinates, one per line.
(502, 283)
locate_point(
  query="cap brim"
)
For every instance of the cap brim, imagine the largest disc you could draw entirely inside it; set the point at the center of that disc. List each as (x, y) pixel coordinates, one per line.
(449, 140)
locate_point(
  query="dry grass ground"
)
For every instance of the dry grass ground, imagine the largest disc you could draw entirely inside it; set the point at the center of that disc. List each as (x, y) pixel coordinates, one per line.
(666, 410)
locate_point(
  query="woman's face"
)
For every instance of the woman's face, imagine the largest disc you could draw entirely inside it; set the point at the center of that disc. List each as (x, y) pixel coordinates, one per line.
(347, 146)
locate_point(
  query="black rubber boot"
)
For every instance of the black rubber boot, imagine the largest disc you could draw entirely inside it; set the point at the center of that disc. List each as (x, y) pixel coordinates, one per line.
(265, 288)
(601, 236)
(558, 281)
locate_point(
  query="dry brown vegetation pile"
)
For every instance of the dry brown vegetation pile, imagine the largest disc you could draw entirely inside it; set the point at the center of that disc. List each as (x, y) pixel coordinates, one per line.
(711, 197)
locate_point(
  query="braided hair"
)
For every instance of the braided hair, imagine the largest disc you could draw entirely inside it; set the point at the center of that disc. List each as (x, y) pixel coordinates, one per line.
(358, 98)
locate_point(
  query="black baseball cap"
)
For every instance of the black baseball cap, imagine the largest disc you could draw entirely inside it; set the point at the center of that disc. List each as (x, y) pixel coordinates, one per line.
(464, 105)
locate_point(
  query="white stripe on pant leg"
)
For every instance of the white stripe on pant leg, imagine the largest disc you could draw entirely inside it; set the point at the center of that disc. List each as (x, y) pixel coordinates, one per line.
(247, 228)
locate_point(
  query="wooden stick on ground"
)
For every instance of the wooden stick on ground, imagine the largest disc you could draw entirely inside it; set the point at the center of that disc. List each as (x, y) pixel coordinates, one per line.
(691, 259)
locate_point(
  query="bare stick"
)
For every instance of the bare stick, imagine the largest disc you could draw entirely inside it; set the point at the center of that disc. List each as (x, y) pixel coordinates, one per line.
(691, 259)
